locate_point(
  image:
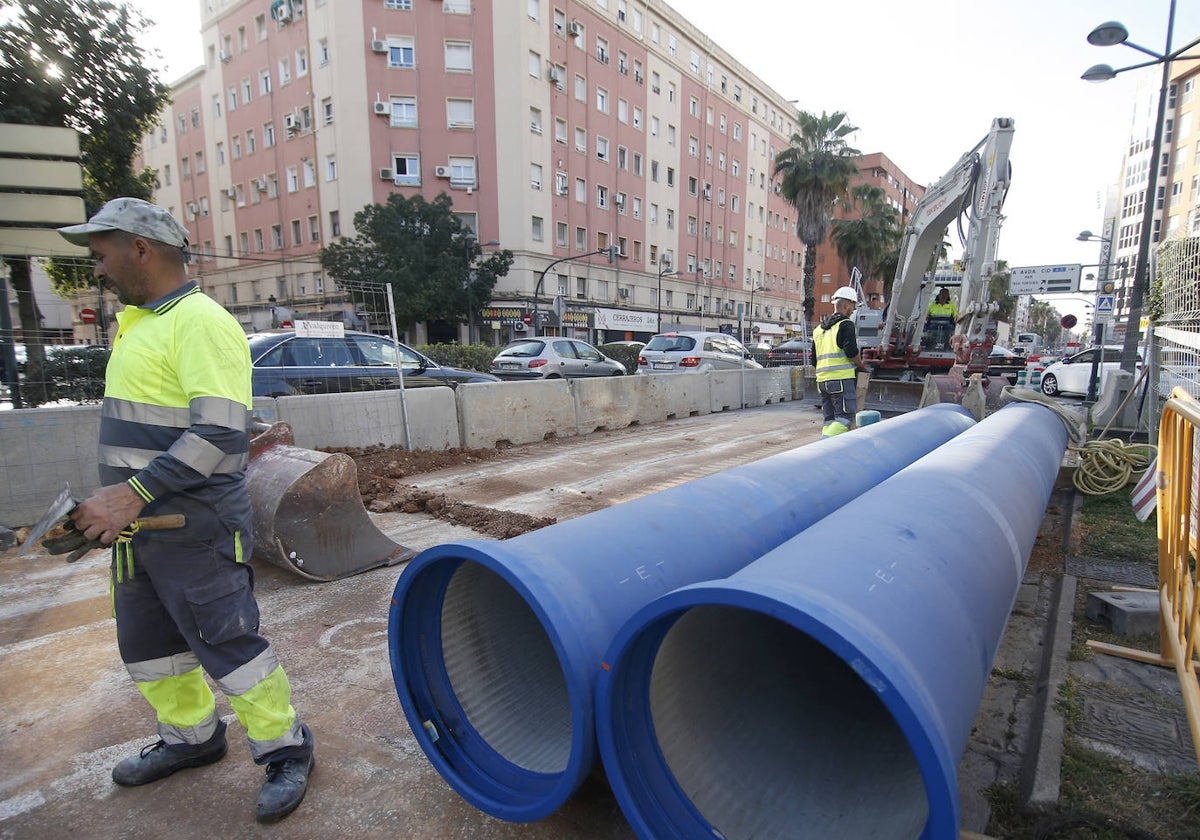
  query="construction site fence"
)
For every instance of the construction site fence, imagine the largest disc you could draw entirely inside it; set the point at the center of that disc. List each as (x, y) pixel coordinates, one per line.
(1178, 537)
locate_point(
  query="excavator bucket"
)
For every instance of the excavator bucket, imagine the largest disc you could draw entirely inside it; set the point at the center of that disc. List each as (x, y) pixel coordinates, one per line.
(307, 513)
(980, 395)
(890, 396)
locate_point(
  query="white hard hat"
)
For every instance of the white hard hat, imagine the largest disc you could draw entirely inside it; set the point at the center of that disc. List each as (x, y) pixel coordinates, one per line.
(846, 293)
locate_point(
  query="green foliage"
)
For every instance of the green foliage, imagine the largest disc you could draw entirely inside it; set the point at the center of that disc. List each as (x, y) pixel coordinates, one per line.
(467, 356)
(814, 175)
(623, 353)
(872, 241)
(79, 66)
(434, 263)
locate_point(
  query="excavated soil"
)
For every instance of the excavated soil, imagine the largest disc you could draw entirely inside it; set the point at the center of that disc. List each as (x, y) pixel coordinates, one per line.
(381, 474)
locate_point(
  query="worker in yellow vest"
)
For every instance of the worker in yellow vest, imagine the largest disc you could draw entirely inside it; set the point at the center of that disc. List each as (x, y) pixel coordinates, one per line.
(836, 343)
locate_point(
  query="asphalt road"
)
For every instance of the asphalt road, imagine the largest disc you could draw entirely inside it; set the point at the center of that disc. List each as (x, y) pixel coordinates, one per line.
(68, 711)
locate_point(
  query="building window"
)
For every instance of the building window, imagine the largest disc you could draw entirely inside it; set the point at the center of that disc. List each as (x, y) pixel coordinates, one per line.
(581, 140)
(581, 190)
(535, 228)
(560, 234)
(402, 53)
(314, 229)
(285, 71)
(560, 130)
(301, 62)
(293, 179)
(460, 113)
(323, 52)
(602, 148)
(462, 171)
(535, 175)
(404, 112)
(331, 168)
(335, 223)
(297, 233)
(264, 82)
(310, 173)
(406, 170)
(458, 57)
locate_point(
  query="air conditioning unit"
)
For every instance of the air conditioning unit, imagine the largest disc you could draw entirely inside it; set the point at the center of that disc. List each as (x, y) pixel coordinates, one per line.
(283, 13)
(383, 108)
(260, 184)
(231, 192)
(385, 174)
(574, 28)
(193, 207)
(379, 46)
(441, 171)
(291, 122)
(224, 55)
(519, 326)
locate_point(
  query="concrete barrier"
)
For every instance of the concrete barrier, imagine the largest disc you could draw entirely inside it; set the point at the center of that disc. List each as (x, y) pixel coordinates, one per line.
(41, 448)
(516, 412)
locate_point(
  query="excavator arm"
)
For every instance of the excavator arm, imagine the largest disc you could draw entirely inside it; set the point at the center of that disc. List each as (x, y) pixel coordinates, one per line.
(974, 187)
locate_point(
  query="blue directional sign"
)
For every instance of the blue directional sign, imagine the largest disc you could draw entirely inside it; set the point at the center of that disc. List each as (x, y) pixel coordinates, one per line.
(1104, 306)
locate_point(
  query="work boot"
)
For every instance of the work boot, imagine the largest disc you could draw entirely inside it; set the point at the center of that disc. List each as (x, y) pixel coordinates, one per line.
(284, 789)
(160, 760)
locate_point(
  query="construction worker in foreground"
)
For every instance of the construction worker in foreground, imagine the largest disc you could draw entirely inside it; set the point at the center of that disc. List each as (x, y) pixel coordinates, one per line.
(174, 438)
(836, 345)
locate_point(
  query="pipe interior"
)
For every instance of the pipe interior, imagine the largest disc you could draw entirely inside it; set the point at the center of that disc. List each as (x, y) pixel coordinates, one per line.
(770, 735)
(504, 672)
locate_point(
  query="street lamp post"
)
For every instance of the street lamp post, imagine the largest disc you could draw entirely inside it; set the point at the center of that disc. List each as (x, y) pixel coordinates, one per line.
(1106, 35)
(274, 312)
(752, 291)
(1097, 323)
(665, 271)
(537, 290)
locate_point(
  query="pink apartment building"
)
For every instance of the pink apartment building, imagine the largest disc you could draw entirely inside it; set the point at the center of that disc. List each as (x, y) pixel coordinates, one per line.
(558, 128)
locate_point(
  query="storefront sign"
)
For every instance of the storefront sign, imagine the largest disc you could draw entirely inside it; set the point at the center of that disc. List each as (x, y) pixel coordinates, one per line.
(626, 320)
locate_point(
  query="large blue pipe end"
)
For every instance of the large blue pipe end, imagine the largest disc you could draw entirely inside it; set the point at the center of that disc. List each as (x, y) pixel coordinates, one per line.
(828, 688)
(495, 647)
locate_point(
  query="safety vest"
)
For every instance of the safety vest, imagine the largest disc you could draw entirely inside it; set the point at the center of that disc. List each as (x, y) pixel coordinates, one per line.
(164, 398)
(832, 361)
(943, 310)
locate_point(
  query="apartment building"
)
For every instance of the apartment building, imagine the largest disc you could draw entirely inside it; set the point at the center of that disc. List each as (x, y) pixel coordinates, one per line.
(558, 127)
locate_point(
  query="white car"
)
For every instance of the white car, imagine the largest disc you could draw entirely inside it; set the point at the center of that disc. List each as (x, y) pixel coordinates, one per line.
(1073, 373)
(694, 352)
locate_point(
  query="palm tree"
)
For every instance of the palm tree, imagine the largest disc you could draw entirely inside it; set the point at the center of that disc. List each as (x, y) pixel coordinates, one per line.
(815, 173)
(872, 241)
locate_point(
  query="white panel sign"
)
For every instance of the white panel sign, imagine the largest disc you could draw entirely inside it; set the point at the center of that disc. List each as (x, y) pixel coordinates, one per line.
(320, 329)
(1044, 279)
(624, 319)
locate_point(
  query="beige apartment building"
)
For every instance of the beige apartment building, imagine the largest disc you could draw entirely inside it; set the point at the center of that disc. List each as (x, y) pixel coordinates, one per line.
(558, 127)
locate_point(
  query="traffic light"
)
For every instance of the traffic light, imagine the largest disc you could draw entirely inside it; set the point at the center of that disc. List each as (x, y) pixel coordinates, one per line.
(1107, 287)
(613, 251)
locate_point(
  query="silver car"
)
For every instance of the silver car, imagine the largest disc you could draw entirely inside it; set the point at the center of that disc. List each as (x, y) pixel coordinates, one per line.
(548, 357)
(698, 352)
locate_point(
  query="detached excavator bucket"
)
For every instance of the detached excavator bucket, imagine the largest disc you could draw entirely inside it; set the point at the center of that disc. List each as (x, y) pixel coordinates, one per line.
(308, 515)
(980, 395)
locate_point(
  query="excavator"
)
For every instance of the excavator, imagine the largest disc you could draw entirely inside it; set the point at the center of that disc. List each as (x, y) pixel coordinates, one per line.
(905, 343)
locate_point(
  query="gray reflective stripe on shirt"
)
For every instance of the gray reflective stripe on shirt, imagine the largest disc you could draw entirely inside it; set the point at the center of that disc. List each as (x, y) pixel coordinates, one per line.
(241, 680)
(151, 415)
(153, 670)
(218, 411)
(132, 458)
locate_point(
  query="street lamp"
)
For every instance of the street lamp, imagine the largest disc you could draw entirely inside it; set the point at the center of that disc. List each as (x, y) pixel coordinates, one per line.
(665, 271)
(1106, 35)
(610, 252)
(759, 288)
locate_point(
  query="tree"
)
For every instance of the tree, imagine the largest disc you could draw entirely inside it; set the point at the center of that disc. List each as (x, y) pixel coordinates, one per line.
(430, 258)
(815, 172)
(78, 66)
(871, 241)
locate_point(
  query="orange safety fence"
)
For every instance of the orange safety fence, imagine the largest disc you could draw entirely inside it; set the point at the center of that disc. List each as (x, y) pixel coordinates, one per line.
(1178, 495)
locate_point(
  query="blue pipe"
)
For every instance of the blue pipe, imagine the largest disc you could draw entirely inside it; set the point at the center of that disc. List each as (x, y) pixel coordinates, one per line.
(828, 688)
(495, 646)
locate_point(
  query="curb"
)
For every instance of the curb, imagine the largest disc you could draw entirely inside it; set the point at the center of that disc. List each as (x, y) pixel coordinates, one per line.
(1041, 773)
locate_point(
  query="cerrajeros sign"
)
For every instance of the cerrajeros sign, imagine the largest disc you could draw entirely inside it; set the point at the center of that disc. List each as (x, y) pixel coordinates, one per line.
(624, 319)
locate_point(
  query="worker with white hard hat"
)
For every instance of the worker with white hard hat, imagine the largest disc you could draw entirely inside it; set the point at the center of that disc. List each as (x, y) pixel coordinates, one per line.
(836, 345)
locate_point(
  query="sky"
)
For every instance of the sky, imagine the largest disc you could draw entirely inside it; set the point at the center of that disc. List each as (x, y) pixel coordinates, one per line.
(923, 80)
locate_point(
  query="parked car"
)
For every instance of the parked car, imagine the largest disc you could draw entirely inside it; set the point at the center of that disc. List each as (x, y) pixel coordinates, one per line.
(549, 357)
(680, 352)
(1073, 373)
(285, 364)
(1006, 364)
(794, 351)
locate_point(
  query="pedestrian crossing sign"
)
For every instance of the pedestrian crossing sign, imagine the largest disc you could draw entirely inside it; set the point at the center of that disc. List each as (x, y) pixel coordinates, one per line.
(1104, 305)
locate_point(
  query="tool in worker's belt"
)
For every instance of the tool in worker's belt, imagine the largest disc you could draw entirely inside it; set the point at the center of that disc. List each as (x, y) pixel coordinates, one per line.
(65, 538)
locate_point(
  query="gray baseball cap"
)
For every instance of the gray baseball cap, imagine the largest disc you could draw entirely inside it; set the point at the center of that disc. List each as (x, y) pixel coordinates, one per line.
(131, 215)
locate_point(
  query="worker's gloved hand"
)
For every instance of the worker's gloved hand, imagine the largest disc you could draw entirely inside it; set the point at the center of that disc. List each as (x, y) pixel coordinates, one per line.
(65, 539)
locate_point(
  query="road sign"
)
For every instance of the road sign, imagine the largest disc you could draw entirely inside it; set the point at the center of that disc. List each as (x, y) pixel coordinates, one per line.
(1044, 279)
(88, 316)
(1104, 307)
